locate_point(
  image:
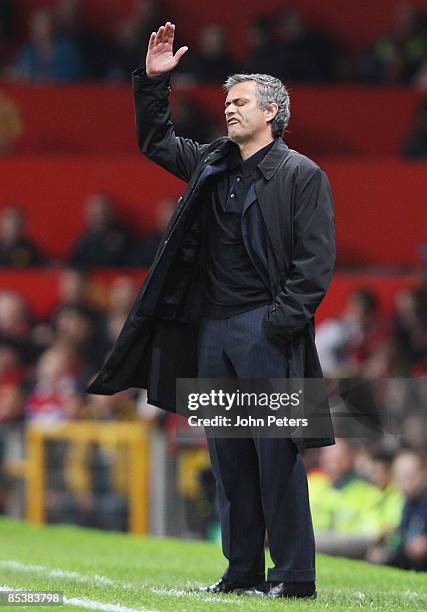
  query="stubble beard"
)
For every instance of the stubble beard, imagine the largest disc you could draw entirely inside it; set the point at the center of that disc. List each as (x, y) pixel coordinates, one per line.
(237, 137)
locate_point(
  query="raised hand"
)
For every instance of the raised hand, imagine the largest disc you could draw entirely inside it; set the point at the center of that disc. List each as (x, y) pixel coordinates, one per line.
(160, 57)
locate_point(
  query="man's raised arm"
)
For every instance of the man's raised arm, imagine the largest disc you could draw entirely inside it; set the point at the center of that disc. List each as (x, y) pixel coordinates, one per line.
(155, 130)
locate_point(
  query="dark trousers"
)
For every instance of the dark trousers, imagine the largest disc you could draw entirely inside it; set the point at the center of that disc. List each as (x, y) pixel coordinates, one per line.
(261, 482)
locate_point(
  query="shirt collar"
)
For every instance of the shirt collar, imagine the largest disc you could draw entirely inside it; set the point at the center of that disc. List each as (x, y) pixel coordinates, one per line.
(248, 165)
(268, 165)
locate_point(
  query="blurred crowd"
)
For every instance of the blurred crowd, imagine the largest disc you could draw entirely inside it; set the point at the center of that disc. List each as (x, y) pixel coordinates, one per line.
(368, 492)
(56, 356)
(56, 44)
(362, 343)
(105, 240)
(60, 46)
(46, 364)
(369, 501)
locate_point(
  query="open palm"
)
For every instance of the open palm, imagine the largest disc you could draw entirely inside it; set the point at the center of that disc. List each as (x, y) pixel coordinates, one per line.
(160, 57)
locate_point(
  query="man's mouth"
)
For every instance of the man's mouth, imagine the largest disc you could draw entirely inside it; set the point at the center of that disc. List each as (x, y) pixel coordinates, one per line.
(232, 121)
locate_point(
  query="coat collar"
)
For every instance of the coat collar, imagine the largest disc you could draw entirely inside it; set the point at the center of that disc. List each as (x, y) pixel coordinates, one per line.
(269, 164)
(274, 157)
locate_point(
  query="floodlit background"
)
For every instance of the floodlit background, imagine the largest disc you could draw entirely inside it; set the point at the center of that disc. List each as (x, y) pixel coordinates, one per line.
(82, 212)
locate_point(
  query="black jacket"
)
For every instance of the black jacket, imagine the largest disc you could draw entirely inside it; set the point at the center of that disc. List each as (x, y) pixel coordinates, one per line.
(158, 342)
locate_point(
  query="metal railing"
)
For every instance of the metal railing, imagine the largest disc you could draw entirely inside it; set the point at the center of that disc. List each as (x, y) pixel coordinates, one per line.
(33, 468)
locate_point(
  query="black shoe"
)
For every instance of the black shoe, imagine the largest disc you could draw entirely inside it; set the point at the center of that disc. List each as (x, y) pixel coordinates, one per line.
(305, 590)
(226, 586)
(259, 590)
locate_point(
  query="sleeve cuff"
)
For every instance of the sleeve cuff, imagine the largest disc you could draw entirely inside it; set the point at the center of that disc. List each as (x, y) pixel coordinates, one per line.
(140, 80)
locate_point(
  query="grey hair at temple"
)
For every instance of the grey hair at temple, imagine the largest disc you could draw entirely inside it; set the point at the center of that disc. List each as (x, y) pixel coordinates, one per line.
(270, 91)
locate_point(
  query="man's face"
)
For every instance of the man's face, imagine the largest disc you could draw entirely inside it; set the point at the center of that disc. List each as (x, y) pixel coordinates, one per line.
(245, 119)
(337, 460)
(11, 224)
(98, 211)
(409, 474)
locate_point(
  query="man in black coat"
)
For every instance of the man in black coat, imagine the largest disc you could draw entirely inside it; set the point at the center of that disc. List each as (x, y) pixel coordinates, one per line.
(244, 263)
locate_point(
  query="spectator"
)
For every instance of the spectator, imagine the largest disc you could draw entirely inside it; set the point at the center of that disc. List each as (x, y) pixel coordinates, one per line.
(120, 299)
(344, 505)
(7, 30)
(16, 326)
(11, 377)
(213, 58)
(348, 344)
(122, 294)
(144, 252)
(15, 320)
(410, 327)
(74, 290)
(190, 120)
(74, 327)
(11, 368)
(413, 425)
(408, 549)
(16, 249)
(94, 48)
(47, 56)
(415, 146)
(303, 55)
(261, 55)
(390, 502)
(397, 55)
(357, 495)
(55, 394)
(7, 19)
(127, 51)
(105, 241)
(131, 38)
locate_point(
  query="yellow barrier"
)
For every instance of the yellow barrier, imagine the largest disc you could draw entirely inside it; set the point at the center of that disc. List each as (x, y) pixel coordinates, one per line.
(134, 434)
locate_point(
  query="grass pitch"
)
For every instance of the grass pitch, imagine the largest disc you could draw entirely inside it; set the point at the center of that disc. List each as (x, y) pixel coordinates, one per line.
(117, 572)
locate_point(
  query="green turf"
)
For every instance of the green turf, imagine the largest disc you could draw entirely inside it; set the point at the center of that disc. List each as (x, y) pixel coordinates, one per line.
(158, 574)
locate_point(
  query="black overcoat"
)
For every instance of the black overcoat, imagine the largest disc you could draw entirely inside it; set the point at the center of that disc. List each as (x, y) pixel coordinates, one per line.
(291, 203)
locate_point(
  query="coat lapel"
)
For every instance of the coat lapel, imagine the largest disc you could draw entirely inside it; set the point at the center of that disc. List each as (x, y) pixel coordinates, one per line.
(272, 220)
(250, 198)
(270, 213)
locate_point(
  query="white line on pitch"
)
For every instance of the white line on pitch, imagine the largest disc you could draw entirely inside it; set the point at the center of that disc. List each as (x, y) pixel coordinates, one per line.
(90, 604)
(99, 580)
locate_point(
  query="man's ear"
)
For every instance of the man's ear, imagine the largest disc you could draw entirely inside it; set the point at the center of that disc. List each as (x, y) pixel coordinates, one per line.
(271, 111)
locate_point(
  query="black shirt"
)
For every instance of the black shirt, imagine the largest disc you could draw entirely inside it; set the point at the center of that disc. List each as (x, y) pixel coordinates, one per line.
(233, 285)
